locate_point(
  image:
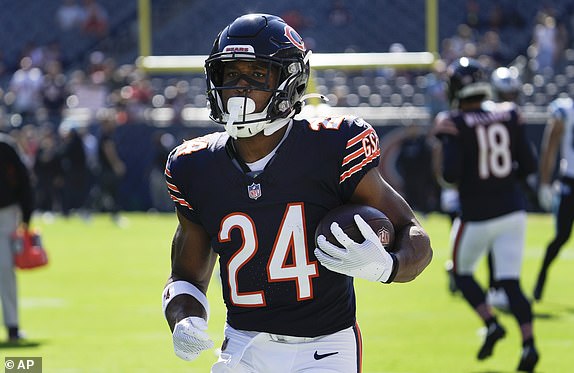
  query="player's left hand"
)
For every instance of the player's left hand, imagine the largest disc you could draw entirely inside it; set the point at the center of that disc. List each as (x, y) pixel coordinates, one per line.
(545, 196)
(190, 338)
(368, 260)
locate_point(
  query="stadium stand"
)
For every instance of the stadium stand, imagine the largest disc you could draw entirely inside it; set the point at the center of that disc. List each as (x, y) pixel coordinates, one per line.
(176, 103)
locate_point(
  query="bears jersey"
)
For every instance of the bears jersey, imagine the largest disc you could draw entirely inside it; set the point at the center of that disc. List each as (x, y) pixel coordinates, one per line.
(263, 227)
(486, 153)
(563, 109)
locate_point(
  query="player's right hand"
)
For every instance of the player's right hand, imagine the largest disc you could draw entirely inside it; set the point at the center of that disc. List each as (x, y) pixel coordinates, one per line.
(368, 259)
(545, 196)
(190, 338)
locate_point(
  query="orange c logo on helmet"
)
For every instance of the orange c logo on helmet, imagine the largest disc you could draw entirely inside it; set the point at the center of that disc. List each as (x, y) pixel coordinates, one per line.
(294, 38)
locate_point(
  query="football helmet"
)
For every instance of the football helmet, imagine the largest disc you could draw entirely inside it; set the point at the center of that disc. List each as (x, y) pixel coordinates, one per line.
(467, 79)
(506, 84)
(265, 39)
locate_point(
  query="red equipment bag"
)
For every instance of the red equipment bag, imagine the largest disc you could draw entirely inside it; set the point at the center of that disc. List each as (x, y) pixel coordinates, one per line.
(28, 250)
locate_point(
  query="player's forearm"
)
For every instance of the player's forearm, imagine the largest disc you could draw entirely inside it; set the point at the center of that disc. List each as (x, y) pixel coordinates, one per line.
(183, 304)
(414, 252)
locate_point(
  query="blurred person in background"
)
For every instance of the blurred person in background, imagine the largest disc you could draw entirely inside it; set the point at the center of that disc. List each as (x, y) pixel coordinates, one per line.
(558, 138)
(162, 145)
(74, 171)
(26, 85)
(48, 173)
(54, 93)
(486, 154)
(506, 87)
(111, 169)
(16, 206)
(95, 21)
(70, 15)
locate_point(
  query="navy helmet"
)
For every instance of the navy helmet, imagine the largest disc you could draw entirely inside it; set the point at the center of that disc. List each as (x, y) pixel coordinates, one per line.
(467, 79)
(267, 39)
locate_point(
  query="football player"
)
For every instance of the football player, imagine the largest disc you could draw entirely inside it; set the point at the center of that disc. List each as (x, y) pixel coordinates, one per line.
(252, 196)
(485, 153)
(506, 86)
(16, 208)
(558, 136)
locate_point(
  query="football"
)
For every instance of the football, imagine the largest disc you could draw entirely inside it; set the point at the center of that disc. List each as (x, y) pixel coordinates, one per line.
(344, 216)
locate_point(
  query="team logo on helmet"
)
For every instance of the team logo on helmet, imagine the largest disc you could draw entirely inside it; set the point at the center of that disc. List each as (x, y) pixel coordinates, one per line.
(239, 49)
(294, 37)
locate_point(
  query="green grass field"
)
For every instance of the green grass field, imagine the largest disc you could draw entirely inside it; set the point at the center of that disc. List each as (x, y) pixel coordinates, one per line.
(97, 306)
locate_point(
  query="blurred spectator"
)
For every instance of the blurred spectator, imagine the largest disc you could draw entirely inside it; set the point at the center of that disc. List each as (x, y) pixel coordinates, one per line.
(2, 63)
(47, 172)
(339, 14)
(26, 85)
(463, 42)
(414, 164)
(492, 47)
(27, 139)
(436, 97)
(96, 19)
(473, 14)
(74, 171)
(54, 92)
(296, 19)
(112, 169)
(163, 143)
(70, 15)
(545, 42)
(16, 206)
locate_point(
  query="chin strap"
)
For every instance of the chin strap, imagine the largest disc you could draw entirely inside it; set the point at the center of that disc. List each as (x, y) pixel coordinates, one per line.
(278, 123)
(274, 126)
(299, 104)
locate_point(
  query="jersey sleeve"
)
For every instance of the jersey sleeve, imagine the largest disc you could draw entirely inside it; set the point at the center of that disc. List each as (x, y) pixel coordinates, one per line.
(178, 165)
(355, 144)
(362, 151)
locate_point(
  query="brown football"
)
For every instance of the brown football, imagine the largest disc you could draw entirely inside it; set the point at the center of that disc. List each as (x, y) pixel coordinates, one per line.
(344, 216)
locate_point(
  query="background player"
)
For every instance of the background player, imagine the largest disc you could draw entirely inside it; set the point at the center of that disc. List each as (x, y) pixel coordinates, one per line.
(253, 196)
(485, 152)
(506, 86)
(558, 134)
(16, 206)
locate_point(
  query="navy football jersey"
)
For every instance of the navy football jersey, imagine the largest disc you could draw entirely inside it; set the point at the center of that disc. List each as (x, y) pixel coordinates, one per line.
(263, 227)
(486, 156)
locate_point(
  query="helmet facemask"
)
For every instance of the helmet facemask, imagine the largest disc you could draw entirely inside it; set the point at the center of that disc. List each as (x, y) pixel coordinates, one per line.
(285, 81)
(270, 43)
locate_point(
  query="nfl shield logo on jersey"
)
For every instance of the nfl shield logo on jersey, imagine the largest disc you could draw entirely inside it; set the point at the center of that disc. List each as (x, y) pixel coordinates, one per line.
(254, 191)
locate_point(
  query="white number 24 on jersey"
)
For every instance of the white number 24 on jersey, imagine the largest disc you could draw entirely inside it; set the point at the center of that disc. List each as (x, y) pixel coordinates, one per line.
(291, 242)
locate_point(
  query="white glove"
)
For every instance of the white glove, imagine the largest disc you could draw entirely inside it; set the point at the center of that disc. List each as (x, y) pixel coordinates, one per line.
(545, 196)
(368, 260)
(190, 338)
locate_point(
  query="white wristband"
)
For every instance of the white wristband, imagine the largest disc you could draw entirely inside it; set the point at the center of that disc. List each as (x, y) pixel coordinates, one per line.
(183, 287)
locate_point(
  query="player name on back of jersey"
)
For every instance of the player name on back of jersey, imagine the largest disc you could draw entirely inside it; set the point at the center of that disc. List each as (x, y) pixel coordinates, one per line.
(484, 117)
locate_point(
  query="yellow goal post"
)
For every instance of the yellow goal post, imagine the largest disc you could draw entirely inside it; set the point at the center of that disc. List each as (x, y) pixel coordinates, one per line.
(184, 64)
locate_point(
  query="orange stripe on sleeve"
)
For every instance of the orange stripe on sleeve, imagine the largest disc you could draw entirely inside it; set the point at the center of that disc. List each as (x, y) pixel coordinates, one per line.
(181, 201)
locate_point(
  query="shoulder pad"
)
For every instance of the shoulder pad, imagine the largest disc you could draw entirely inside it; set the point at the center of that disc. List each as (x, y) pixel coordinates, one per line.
(331, 123)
